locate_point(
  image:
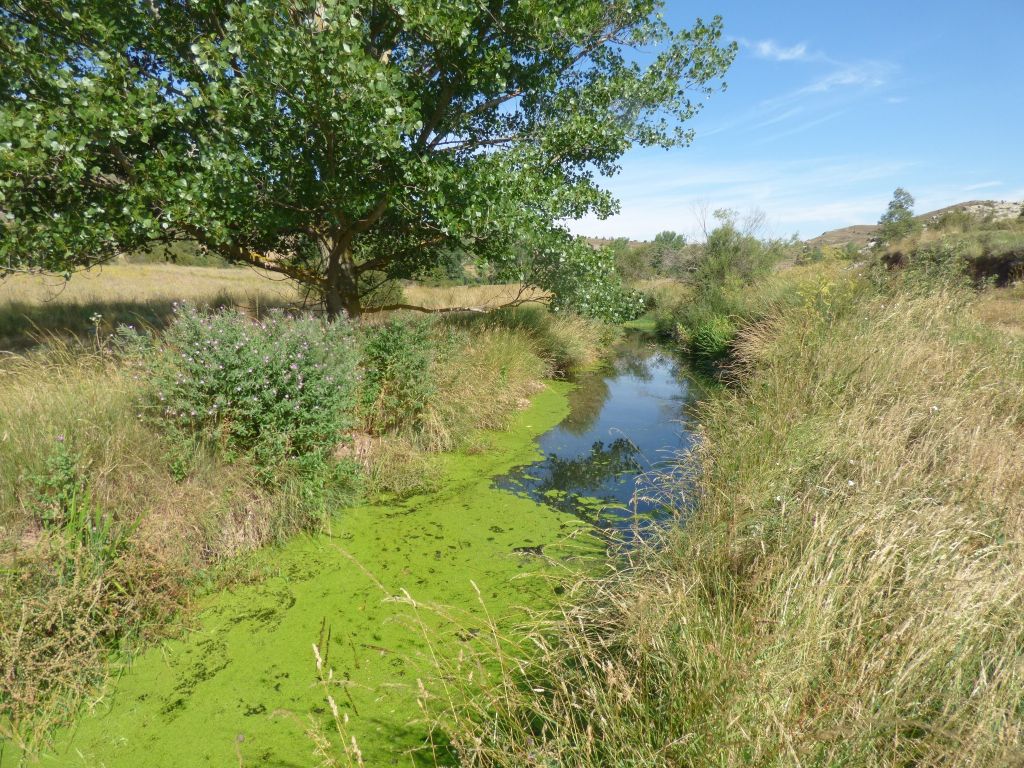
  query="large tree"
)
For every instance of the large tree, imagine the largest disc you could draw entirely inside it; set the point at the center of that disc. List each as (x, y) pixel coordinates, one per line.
(338, 142)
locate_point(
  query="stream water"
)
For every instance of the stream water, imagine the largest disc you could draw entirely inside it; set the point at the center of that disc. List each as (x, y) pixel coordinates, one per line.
(627, 422)
(396, 590)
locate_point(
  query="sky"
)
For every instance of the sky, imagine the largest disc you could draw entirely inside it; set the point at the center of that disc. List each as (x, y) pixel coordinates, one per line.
(830, 107)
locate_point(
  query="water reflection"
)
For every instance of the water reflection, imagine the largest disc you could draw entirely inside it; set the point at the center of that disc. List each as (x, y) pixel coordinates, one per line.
(625, 420)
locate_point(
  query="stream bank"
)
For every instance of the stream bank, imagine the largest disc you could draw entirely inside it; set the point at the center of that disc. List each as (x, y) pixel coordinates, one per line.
(242, 689)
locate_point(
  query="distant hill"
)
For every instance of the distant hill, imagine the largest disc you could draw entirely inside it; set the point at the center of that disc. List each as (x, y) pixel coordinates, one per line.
(600, 242)
(862, 234)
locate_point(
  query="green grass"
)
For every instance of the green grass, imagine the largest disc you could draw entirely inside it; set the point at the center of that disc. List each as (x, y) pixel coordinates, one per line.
(848, 591)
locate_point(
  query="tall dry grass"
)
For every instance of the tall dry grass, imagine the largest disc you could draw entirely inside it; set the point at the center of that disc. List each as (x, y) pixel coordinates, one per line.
(33, 307)
(1003, 308)
(479, 296)
(849, 590)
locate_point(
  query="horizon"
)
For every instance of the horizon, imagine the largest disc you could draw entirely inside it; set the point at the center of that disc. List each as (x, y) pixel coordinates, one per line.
(828, 110)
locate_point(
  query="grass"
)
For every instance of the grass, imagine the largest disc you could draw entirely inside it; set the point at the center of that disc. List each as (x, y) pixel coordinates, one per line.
(33, 307)
(482, 296)
(1003, 308)
(848, 590)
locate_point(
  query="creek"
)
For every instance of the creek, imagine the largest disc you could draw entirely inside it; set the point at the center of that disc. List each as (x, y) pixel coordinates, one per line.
(397, 588)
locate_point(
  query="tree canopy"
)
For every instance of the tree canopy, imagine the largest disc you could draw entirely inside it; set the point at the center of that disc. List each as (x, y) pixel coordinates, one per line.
(338, 142)
(898, 220)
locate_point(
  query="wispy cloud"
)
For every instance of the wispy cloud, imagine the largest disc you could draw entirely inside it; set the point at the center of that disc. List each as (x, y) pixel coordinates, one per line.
(809, 195)
(825, 96)
(769, 49)
(806, 125)
(982, 185)
(871, 74)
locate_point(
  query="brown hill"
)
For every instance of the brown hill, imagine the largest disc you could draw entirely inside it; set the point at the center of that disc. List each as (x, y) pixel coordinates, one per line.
(862, 234)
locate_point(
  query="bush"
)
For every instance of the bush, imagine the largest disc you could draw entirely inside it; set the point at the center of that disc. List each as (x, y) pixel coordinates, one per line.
(397, 381)
(732, 284)
(275, 390)
(711, 339)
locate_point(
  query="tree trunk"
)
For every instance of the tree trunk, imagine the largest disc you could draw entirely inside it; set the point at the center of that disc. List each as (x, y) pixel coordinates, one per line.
(341, 288)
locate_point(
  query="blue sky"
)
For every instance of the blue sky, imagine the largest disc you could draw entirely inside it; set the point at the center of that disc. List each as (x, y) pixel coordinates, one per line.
(831, 106)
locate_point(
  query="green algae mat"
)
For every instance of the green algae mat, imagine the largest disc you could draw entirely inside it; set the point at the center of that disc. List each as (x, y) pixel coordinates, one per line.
(242, 687)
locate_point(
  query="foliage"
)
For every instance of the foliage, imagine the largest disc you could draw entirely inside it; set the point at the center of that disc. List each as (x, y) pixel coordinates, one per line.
(666, 255)
(732, 259)
(585, 287)
(245, 126)
(184, 253)
(278, 389)
(56, 491)
(898, 220)
(397, 378)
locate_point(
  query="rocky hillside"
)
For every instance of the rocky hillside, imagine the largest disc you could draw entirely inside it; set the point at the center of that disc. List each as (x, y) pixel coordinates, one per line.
(862, 234)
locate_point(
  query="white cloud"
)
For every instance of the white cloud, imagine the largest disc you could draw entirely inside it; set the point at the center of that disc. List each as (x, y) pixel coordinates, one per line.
(870, 74)
(769, 49)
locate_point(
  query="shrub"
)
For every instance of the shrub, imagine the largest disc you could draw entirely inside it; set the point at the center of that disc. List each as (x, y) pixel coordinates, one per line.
(711, 339)
(274, 390)
(397, 381)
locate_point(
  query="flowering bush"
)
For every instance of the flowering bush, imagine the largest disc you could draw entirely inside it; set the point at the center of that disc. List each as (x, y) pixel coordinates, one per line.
(274, 390)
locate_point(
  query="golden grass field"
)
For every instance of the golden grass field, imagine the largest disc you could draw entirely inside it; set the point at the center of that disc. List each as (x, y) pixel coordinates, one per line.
(36, 306)
(147, 282)
(1004, 309)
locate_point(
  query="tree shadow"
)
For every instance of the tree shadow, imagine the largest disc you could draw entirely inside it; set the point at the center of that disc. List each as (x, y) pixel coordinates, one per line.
(26, 325)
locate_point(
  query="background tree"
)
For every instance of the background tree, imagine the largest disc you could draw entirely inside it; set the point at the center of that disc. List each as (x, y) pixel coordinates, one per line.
(665, 251)
(898, 220)
(339, 142)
